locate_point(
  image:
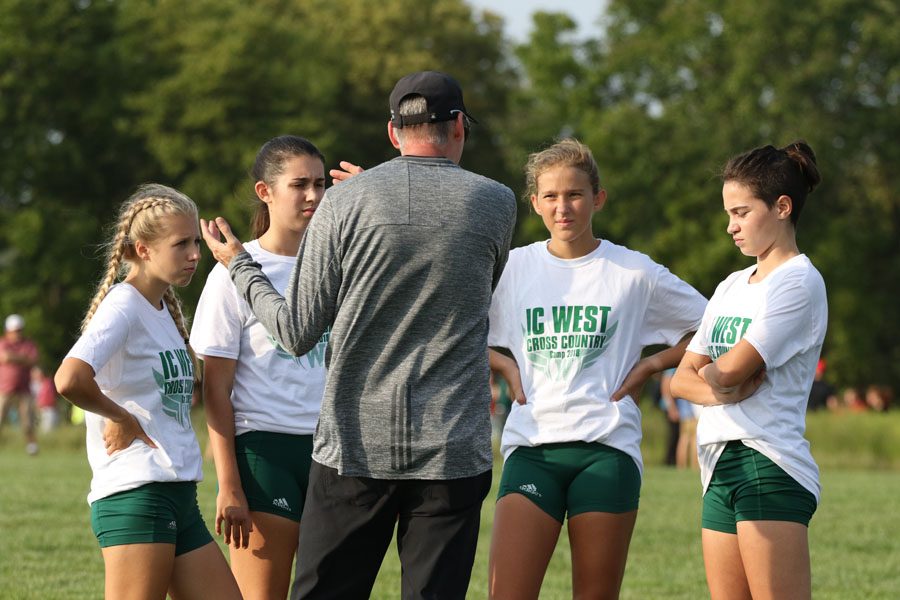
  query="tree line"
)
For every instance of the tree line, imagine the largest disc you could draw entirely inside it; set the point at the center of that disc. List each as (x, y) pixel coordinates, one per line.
(97, 96)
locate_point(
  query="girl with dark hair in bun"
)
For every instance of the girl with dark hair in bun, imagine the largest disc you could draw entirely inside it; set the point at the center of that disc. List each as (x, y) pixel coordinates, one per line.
(761, 334)
(262, 404)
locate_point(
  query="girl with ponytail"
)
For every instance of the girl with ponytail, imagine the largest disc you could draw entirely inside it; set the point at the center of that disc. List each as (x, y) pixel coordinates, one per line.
(262, 404)
(133, 373)
(751, 365)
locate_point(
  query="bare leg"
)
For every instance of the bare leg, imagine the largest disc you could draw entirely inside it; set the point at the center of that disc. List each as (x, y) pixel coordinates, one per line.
(26, 418)
(263, 570)
(522, 543)
(5, 405)
(203, 573)
(724, 568)
(599, 544)
(138, 571)
(776, 559)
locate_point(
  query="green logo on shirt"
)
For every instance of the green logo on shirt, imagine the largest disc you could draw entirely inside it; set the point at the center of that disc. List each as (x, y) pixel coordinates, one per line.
(579, 337)
(176, 384)
(312, 359)
(726, 332)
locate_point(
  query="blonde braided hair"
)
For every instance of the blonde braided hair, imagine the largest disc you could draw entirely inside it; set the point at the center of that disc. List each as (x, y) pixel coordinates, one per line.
(140, 219)
(173, 303)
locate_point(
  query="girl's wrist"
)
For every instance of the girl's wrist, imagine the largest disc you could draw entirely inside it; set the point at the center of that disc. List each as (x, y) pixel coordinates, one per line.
(648, 366)
(120, 415)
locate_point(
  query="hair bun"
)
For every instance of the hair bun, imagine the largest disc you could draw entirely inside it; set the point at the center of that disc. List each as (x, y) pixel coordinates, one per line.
(800, 152)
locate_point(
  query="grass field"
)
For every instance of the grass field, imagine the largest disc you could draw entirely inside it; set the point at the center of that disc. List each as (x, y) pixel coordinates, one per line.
(49, 550)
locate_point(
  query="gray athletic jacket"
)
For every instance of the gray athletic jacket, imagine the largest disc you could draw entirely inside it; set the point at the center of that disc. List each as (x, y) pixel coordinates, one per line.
(401, 262)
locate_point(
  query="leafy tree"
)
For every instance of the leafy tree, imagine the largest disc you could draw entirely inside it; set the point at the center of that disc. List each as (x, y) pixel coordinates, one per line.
(319, 69)
(372, 45)
(66, 158)
(547, 106)
(97, 97)
(225, 76)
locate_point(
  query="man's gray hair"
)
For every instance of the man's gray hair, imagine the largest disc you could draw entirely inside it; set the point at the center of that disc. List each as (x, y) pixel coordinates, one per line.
(437, 134)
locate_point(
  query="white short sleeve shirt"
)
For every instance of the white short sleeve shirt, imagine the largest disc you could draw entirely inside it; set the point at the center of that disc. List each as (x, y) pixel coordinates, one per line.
(273, 391)
(576, 328)
(784, 317)
(141, 363)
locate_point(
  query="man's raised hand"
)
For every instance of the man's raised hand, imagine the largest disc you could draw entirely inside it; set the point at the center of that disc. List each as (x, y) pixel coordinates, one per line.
(214, 232)
(346, 171)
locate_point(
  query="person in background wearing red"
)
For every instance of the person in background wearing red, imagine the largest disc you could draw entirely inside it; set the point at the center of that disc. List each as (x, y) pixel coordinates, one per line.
(822, 393)
(17, 355)
(45, 398)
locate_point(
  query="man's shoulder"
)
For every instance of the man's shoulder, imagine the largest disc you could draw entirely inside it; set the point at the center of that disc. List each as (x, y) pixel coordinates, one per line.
(372, 177)
(491, 184)
(396, 172)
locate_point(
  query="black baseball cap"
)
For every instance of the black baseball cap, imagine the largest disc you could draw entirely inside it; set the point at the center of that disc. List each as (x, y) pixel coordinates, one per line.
(442, 94)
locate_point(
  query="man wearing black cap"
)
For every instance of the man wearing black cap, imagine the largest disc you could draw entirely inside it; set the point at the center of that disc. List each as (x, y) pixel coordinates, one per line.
(401, 262)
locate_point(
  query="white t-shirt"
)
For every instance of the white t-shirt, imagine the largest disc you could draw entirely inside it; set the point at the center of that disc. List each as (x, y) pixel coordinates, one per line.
(273, 391)
(576, 328)
(141, 363)
(784, 317)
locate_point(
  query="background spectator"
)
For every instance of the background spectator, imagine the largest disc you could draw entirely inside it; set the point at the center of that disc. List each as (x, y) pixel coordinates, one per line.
(17, 355)
(684, 414)
(853, 400)
(822, 393)
(878, 397)
(44, 391)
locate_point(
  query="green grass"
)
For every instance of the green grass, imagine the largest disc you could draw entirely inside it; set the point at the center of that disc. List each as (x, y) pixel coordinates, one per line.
(50, 552)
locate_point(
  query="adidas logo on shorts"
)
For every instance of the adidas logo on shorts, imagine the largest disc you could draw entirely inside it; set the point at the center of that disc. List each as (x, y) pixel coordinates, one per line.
(281, 503)
(530, 488)
(173, 525)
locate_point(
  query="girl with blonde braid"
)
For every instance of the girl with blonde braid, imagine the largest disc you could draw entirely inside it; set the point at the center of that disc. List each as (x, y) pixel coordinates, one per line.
(133, 373)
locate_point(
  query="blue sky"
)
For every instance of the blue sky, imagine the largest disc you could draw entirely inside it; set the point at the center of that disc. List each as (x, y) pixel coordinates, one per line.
(517, 13)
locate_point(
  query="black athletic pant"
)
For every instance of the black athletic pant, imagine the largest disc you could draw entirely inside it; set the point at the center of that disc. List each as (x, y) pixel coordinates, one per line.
(348, 523)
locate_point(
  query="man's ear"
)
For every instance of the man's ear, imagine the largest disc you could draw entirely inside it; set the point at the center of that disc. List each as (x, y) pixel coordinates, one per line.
(459, 127)
(392, 135)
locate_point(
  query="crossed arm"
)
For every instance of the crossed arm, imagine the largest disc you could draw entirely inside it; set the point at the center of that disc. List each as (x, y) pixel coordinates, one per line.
(730, 379)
